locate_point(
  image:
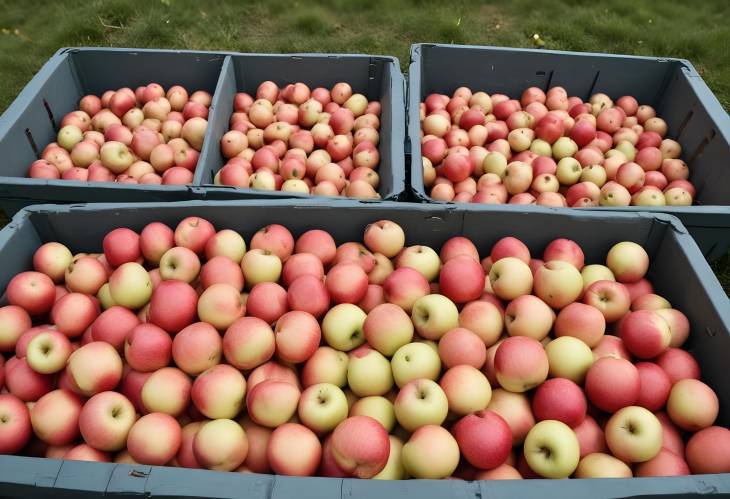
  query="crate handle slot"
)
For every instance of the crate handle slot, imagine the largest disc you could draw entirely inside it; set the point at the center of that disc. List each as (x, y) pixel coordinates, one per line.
(701, 147)
(684, 123)
(50, 115)
(31, 141)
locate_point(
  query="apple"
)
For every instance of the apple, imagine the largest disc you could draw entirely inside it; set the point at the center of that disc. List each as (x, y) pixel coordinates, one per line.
(420, 402)
(218, 393)
(569, 358)
(510, 278)
(52, 259)
(322, 407)
(272, 370)
(297, 336)
(516, 411)
(247, 343)
(226, 243)
(520, 363)
(645, 333)
(430, 452)
(581, 321)
(387, 328)
(113, 325)
(678, 364)
(73, 313)
(415, 361)
(612, 383)
(528, 315)
(32, 291)
(148, 348)
(600, 465)
(393, 469)
(484, 439)
(360, 446)
(154, 439)
(551, 449)
(166, 390)
(433, 315)
(181, 264)
(294, 450)
(385, 237)
(84, 452)
(346, 283)
(308, 294)
(155, 239)
(611, 298)
(95, 367)
(368, 372)
(342, 327)
(220, 305)
(378, 408)
(86, 274)
(466, 388)
(105, 421)
(221, 269)
(130, 286)
(628, 261)
(15, 424)
(301, 264)
(271, 403)
(48, 352)
(220, 445)
(115, 156)
(692, 405)
(634, 434)
(558, 283)
(459, 346)
(317, 242)
(326, 365)
(55, 417)
(121, 246)
(404, 286)
(461, 279)
(421, 258)
(707, 450)
(560, 399)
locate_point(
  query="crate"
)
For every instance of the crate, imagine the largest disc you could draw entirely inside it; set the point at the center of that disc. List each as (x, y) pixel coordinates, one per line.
(376, 77)
(694, 116)
(32, 120)
(675, 259)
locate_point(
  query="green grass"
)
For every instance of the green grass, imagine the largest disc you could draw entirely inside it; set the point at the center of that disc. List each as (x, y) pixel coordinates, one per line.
(30, 32)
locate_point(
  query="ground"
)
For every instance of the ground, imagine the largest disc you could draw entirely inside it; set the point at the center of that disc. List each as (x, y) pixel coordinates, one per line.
(698, 31)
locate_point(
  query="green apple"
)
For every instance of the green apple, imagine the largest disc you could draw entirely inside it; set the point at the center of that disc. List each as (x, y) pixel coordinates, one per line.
(569, 358)
(552, 449)
(368, 372)
(433, 315)
(378, 408)
(421, 258)
(342, 326)
(130, 286)
(394, 467)
(322, 407)
(634, 434)
(421, 402)
(414, 361)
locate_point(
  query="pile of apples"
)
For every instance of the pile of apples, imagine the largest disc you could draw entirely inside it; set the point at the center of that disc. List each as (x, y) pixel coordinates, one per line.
(142, 136)
(376, 360)
(549, 149)
(293, 139)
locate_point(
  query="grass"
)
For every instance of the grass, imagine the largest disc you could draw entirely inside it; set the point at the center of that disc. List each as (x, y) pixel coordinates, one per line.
(698, 31)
